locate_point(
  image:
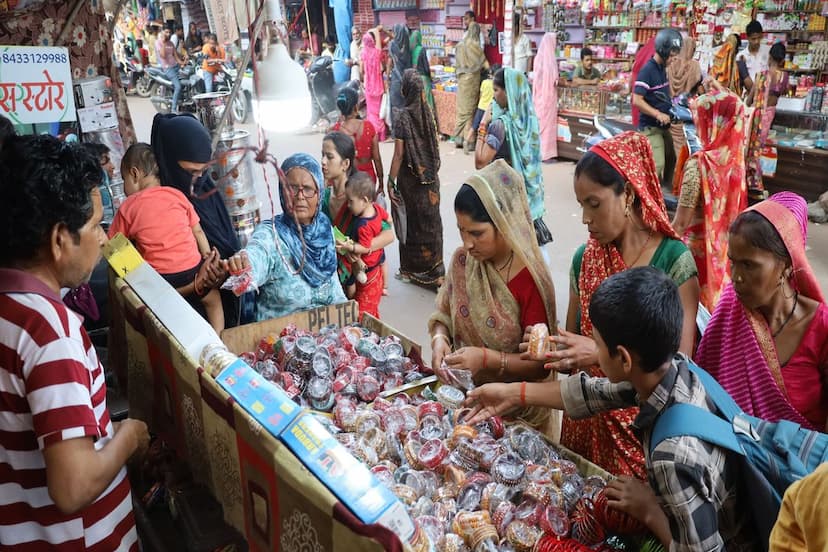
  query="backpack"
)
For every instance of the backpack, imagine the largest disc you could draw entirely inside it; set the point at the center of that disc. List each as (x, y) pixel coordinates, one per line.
(771, 455)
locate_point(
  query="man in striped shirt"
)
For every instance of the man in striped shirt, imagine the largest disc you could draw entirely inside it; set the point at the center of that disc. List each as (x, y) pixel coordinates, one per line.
(63, 483)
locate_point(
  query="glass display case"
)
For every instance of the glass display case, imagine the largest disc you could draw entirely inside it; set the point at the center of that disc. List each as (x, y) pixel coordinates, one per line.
(800, 141)
(586, 100)
(592, 100)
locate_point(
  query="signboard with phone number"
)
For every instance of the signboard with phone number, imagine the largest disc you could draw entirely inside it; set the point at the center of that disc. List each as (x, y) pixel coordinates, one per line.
(36, 85)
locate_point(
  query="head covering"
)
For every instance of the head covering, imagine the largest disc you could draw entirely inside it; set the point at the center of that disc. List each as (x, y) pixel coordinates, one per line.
(630, 154)
(371, 65)
(523, 135)
(684, 72)
(788, 213)
(317, 256)
(414, 124)
(183, 138)
(738, 348)
(545, 95)
(721, 124)
(493, 313)
(416, 42)
(400, 49)
(469, 55)
(475, 303)
(725, 69)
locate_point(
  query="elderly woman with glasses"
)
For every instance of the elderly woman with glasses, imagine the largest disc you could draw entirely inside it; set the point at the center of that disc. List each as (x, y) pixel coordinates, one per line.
(292, 258)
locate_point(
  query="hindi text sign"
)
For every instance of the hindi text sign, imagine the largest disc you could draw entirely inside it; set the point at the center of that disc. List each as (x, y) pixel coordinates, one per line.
(36, 84)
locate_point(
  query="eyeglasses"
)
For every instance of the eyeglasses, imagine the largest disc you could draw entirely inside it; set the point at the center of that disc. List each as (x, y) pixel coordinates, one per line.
(306, 191)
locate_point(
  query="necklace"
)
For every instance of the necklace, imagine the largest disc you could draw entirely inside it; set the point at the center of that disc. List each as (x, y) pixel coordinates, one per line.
(643, 249)
(508, 264)
(788, 319)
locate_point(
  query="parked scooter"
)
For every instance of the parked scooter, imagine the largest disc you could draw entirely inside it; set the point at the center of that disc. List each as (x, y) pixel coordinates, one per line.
(324, 91)
(191, 85)
(223, 82)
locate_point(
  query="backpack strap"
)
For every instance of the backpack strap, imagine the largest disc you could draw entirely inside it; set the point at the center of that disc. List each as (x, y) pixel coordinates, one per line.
(687, 419)
(721, 398)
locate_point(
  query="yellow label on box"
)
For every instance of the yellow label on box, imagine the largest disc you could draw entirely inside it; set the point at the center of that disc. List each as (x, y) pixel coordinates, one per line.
(122, 255)
(258, 407)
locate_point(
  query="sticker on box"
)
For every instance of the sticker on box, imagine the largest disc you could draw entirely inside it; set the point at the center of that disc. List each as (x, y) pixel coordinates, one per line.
(264, 401)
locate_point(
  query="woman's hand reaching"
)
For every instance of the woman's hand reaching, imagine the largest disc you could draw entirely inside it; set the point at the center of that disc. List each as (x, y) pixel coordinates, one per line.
(237, 264)
(439, 349)
(468, 358)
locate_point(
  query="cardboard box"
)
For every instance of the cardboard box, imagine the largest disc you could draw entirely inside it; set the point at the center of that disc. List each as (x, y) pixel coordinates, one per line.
(348, 478)
(98, 117)
(266, 492)
(265, 402)
(92, 91)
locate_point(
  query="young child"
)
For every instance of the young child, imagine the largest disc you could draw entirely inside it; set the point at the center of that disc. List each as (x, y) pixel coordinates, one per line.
(165, 228)
(637, 319)
(486, 97)
(366, 282)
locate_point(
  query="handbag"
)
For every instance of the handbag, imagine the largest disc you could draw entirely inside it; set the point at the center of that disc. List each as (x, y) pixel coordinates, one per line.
(398, 215)
(82, 302)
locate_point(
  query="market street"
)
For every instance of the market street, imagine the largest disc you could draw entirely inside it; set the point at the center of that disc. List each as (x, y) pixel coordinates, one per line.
(408, 307)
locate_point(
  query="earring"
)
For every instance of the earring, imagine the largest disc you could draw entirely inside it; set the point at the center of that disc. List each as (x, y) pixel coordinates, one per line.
(627, 211)
(785, 295)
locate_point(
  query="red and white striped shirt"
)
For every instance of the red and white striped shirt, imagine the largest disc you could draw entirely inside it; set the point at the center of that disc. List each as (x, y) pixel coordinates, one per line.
(51, 389)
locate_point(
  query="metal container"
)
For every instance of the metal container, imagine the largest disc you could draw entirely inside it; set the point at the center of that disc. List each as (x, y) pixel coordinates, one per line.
(210, 108)
(245, 225)
(233, 174)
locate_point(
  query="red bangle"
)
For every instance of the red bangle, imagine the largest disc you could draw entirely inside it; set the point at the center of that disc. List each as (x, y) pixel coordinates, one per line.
(523, 393)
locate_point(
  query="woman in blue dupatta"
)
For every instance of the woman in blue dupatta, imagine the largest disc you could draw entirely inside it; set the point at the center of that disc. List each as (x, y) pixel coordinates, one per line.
(510, 131)
(291, 275)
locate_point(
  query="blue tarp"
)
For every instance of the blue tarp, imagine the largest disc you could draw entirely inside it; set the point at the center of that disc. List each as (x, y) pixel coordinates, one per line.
(343, 17)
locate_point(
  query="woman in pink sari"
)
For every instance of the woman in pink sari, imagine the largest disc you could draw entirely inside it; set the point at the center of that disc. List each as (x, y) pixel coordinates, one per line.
(372, 63)
(767, 342)
(545, 95)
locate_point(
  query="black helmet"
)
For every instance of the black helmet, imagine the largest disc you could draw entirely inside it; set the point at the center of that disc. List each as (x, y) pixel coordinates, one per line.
(666, 42)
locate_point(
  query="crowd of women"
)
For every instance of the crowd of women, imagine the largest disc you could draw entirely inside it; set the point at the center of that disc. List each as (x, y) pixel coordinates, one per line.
(767, 339)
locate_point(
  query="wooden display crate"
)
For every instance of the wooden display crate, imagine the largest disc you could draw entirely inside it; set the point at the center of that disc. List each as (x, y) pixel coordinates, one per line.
(266, 492)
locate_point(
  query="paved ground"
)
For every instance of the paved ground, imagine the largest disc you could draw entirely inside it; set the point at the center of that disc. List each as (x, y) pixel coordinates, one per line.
(408, 307)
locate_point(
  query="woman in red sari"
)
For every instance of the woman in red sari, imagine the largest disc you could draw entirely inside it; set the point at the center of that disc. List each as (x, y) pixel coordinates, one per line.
(618, 189)
(366, 142)
(713, 189)
(767, 341)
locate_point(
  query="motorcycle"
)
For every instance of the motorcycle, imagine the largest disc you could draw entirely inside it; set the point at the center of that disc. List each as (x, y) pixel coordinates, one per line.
(130, 72)
(145, 86)
(324, 91)
(223, 82)
(191, 85)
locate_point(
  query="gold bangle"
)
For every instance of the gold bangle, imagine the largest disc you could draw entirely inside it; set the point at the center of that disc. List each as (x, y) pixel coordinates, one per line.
(444, 336)
(504, 363)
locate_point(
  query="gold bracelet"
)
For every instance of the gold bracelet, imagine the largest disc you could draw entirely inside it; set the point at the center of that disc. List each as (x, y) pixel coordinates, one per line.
(444, 336)
(504, 363)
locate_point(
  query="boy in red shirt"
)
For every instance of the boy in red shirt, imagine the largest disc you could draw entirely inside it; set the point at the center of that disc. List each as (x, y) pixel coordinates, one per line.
(366, 285)
(165, 228)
